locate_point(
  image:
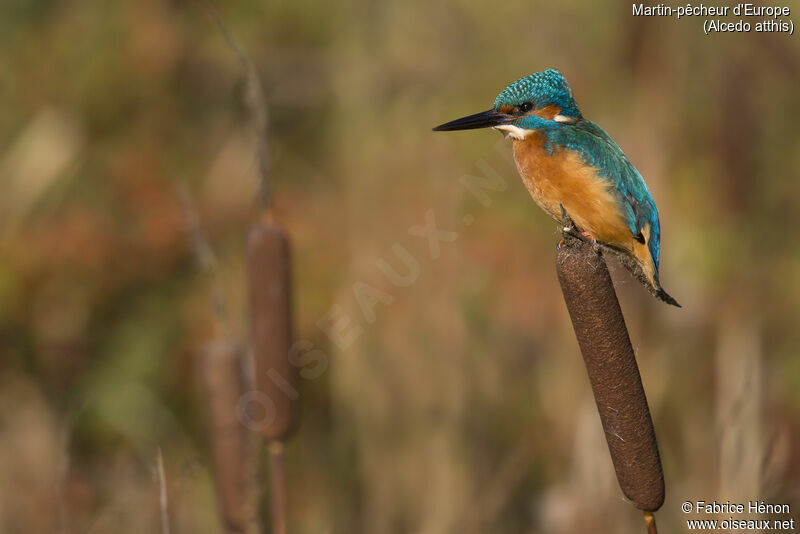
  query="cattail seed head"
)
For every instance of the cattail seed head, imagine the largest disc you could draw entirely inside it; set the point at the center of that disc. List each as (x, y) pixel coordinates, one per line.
(611, 365)
(269, 288)
(223, 379)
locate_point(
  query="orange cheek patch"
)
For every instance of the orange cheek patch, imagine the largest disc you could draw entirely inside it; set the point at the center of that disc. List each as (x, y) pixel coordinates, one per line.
(508, 110)
(547, 112)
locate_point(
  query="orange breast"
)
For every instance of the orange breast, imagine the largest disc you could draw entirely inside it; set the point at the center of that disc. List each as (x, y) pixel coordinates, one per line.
(562, 178)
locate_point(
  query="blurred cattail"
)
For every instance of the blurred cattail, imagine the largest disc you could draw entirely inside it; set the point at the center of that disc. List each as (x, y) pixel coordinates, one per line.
(269, 288)
(224, 382)
(269, 281)
(611, 365)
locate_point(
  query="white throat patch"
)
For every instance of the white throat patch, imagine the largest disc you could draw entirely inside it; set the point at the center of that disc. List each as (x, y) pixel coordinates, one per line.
(514, 132)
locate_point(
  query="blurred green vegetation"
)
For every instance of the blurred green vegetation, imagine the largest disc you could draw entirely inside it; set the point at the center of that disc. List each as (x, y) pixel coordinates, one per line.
(463, 406)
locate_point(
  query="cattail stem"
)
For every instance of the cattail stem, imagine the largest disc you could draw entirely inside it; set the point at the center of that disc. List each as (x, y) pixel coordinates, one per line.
(277, 486)
(614, 376)
(650, 521)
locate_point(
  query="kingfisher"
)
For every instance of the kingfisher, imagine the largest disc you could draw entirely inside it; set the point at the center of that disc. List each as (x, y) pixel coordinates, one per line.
(575, 172)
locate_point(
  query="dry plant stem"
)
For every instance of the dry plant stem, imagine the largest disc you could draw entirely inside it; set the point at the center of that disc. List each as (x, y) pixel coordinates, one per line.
(614, 376)
(205, 258)
(277, 483)
(256, 105)
(650, 521)
(162, 493)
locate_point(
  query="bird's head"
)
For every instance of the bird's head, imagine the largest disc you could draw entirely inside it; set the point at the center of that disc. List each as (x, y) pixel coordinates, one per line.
(541, 100)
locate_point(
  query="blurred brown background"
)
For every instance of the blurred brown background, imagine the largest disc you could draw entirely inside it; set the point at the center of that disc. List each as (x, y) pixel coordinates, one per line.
(458, 402)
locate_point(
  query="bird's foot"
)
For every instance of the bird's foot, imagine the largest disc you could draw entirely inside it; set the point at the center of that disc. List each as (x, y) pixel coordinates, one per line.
(571, 231)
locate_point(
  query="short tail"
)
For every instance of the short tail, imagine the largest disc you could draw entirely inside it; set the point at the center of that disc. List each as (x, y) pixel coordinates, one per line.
(666, 297)
(647, 267)
(649, 277)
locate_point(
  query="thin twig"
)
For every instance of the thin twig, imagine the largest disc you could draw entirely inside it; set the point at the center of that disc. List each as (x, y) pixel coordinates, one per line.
(204, 255)
(254, 102)
(64, 437)
(162, 492)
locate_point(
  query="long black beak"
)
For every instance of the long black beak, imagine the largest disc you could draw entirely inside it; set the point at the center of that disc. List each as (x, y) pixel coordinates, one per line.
(484, 119)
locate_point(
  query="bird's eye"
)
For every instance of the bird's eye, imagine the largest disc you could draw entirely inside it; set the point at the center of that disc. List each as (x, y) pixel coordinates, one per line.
(526, 107)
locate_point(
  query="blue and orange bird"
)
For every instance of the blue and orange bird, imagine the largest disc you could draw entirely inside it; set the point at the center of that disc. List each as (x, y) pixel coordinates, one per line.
(571, 166)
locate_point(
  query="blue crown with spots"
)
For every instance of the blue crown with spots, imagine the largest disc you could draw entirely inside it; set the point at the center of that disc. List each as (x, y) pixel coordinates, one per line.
(541, 89)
